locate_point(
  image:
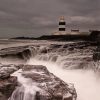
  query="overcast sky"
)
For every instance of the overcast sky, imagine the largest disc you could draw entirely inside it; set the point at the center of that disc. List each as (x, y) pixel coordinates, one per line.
(38, 17)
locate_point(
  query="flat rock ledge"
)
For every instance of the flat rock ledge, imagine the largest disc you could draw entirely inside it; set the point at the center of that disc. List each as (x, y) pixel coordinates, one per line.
(20, 52)
(50, 86)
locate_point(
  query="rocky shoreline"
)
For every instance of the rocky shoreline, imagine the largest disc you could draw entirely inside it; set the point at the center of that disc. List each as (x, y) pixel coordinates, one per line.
(52, 87)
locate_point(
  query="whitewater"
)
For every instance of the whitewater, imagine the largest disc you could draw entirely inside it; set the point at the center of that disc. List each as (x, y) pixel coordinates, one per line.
(86, 82)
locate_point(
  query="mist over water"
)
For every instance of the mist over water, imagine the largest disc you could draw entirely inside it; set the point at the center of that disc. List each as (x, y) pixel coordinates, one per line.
(86, 82)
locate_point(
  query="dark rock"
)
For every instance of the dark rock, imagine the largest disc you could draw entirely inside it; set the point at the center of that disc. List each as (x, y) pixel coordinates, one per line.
(20, 52)
(55, 46)
(7, 82)
(95, 35)
(4, 75)
(43, 50)
(70, 48)
(6, 70)
(7, 86)
(96, 54)
(2, 97)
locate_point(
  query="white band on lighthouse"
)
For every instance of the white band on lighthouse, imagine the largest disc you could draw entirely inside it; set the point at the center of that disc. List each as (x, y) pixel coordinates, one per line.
(62, 26)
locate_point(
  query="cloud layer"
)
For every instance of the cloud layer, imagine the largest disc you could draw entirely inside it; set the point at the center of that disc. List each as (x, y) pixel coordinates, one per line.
(38, 17)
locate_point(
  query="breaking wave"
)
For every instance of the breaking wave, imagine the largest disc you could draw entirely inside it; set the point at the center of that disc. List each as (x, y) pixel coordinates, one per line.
(86, 82)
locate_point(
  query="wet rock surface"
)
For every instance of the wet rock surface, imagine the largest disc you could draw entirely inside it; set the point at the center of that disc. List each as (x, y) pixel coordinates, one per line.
(50, 86)
(7, 82)
(75, 53)
(79, 54)
(20, 52)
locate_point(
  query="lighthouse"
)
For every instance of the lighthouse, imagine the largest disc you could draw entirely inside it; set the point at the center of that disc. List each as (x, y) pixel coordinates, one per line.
(62, 24)
(61, 27)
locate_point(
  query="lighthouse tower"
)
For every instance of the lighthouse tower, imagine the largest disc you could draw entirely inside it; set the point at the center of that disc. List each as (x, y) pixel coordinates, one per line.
(61, 27)
(62, 24)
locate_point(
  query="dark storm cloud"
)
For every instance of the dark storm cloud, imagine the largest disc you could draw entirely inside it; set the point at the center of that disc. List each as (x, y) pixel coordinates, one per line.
(83, 7)
(37, 17)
